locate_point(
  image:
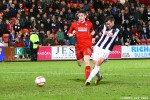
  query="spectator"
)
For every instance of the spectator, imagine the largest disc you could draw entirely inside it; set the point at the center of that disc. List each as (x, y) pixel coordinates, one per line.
(31, 13)
(115, 12)
(1, 29)
(62, 13)
(7, 14)
(13, 10)
(48, 24)
(44, 18)
(145, 31)
(60, 36)
(70, 16)
(119, 19)
(137, 3)
(126, 4)
(118, 41)
(56, 4)
(127, 35)
(65, 29)
(66, 42)
(21, 8)
(132, 20)
(50, 12)
(9, 4)
(106, 4)
(26, 44)
(34, 43)
(59, 23)
(74, 8)
(18, 42)
(97, 4)
(137, 14)
(86, 6)
(21, 21)
(63, 5)
(126, 13)
(42, 31)
(3, 5)
(146, 14)
(134, 41)
(11, 38)
(27, 22)
(42, 5)
(126, 24)
(17, 26)
(33, 22)
(49, 40)
(8, 27)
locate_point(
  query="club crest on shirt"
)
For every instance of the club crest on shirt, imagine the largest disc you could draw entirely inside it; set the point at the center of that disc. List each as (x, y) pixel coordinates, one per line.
(82, 29)
(86, 24)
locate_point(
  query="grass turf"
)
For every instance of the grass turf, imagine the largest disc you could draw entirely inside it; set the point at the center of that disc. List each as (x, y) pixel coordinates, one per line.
(122, 80)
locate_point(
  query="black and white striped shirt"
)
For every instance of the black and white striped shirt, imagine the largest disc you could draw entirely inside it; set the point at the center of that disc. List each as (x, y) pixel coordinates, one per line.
(108, 38)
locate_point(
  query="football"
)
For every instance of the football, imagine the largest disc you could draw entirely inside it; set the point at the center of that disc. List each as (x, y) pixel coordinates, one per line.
(40, 80)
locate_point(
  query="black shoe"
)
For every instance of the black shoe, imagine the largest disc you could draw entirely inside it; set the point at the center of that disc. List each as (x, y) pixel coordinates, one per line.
(98, 80)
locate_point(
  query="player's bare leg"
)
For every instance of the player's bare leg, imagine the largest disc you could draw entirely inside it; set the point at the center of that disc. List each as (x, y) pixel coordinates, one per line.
(80, 62)
(87, 60)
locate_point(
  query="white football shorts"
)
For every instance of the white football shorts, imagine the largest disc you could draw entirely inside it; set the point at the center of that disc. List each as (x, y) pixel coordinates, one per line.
(100, 53)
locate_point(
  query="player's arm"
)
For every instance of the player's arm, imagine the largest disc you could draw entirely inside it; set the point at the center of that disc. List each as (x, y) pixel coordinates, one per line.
(92, 34)
(71, 32)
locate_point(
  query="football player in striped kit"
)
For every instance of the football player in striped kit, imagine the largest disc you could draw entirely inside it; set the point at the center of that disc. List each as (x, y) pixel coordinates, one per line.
(103, 47)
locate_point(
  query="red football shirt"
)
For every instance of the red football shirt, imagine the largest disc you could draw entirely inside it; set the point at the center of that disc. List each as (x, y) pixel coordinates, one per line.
(83, 33)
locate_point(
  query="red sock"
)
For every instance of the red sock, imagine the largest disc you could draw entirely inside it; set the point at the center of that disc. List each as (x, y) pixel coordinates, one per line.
(87, 72)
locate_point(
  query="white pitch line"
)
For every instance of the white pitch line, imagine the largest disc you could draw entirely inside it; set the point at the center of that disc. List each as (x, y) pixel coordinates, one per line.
(73, 73)
(55, 73)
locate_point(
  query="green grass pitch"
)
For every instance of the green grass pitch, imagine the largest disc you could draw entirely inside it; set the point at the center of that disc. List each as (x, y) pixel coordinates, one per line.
(122, 80)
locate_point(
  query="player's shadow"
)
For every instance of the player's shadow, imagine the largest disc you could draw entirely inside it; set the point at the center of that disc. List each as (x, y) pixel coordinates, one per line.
(103, 82)
(77, 80)
(92, 83)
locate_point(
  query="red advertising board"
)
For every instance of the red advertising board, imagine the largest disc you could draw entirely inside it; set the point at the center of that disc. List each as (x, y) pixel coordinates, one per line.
(44, 53)
(116, 53)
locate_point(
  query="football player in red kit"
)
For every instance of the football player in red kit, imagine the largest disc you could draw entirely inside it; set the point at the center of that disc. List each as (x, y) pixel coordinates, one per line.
(83, 31)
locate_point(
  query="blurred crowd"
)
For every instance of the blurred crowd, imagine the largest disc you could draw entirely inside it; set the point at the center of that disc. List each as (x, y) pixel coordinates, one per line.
(51, 19)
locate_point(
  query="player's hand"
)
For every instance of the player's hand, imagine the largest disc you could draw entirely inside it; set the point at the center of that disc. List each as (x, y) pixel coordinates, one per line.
(92, 33)
(74, 32)
(93, 40)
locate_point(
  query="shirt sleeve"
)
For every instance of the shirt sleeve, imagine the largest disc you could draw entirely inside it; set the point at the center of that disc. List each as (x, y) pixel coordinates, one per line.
(70, 29)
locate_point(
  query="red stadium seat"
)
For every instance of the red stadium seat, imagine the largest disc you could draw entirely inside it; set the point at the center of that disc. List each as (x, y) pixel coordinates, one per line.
(148, 41)
(13, 19)
(143, 42)
(24, 31)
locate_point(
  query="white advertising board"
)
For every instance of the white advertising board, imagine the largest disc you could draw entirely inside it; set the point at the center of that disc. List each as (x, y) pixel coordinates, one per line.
(63, 53)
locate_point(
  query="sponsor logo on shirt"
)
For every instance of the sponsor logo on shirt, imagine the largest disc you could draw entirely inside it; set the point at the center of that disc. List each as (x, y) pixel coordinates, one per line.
(109, 34)
(82, 29)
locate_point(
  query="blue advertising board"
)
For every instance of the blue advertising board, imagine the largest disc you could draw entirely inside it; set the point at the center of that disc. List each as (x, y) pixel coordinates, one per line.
(136, 51)
(1, 53)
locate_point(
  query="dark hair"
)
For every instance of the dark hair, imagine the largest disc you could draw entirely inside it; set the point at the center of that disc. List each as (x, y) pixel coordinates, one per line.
(82, 11)
(109, 18)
